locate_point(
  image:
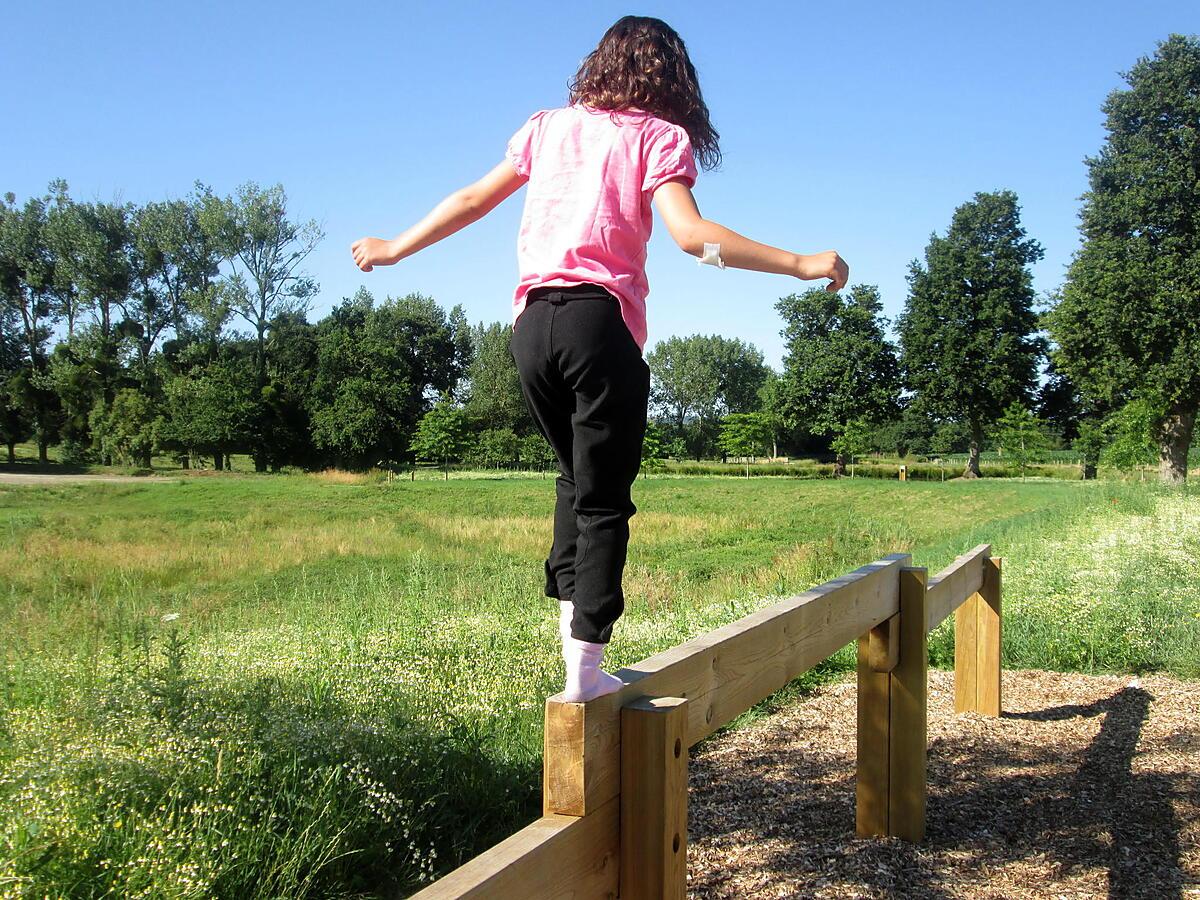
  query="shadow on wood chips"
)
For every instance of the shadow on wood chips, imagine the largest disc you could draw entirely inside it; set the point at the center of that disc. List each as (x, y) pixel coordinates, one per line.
(1087, 786)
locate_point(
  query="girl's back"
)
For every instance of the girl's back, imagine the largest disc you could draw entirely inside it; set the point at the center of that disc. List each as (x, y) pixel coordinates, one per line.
(592, 174)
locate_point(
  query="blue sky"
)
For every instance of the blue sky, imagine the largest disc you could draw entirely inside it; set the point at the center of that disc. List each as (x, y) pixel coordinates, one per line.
(854, 126)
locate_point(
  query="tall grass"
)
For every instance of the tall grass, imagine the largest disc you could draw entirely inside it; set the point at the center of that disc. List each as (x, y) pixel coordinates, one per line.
(323, 687)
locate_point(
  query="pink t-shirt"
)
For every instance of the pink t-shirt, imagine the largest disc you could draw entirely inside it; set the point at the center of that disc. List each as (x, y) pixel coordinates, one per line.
(587, 217)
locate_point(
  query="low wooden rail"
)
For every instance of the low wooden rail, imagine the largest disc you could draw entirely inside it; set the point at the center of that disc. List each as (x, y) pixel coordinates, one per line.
(615, 769)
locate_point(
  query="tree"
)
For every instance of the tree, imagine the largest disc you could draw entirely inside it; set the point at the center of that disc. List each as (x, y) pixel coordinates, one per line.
(441, 435)
(1089, 444)
(125, 430)
(702, 378)
(745, 434)
(535, 450)
(26, 272)
(265, 250)
(1021, 435)
(853, 440)
(1132, 428)
(211, 405)
(1127, 325)
(493, 396)
(837, 366)
(377, 371)
(968, 339)
(173, 265)
(14, 423)
(653, 447)
(495, 448)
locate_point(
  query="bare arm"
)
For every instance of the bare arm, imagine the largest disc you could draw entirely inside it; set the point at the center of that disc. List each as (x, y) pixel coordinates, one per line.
(460, 209)
(691, 232)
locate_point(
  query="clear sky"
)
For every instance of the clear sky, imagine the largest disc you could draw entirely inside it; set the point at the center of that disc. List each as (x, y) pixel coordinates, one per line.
(853, 126)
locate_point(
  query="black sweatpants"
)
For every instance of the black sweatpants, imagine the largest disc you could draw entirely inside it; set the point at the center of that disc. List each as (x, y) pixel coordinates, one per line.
(586, 386)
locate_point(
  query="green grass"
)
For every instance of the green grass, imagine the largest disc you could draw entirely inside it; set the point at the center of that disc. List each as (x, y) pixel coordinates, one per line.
(332, 685)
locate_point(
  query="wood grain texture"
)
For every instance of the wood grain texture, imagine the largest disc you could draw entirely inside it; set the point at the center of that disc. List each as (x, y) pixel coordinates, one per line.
(578, 745)
(556, 858)
(653, 801)
(909, 723)
(874, 732)
(966, 655)
(988, 628)
(721, 674)
(953, 586)
(884, 641)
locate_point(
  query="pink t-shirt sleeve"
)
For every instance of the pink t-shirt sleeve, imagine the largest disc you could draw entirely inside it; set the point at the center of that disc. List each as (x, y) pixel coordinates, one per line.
(520, 145)
(669, 156)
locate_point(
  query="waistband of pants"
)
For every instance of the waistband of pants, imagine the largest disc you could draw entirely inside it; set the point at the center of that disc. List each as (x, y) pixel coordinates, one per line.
(561, 294)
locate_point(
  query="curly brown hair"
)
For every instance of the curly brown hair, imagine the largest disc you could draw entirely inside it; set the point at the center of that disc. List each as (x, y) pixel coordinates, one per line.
(642, 63)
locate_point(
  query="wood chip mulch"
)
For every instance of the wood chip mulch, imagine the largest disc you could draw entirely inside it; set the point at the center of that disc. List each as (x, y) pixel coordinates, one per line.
(1086, 786)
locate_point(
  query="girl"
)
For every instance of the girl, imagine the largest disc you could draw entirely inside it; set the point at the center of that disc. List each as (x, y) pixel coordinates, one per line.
(634, 127)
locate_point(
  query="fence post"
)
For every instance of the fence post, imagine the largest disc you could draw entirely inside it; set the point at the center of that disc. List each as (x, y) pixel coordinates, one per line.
(580, 764)
(893, 666)
(909, 691)
(874, 725)
(977, 636)
(654, 755)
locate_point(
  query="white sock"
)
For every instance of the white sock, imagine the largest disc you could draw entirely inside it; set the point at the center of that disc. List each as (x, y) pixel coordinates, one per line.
(585, 680)
(566, 611)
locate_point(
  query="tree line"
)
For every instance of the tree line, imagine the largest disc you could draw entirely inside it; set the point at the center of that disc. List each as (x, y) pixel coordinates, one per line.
(181, 327)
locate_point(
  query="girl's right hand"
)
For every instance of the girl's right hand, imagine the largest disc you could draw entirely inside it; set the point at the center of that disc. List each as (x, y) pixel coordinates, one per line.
(370, 252)
(825, 265)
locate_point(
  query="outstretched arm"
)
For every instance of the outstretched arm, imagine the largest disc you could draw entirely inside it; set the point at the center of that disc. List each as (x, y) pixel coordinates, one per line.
(691, 232)
(460, 209)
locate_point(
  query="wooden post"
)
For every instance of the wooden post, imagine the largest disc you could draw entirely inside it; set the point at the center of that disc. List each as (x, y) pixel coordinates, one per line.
(892, 674)
(579, 755)
(977, 635)
(909, 685)
(874, 715)
(654, 755)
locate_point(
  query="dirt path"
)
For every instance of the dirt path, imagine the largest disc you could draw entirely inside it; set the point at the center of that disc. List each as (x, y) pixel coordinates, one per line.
(35, 478)
(1087, 786)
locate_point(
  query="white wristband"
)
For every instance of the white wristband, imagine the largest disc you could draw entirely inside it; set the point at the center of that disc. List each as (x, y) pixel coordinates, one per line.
(712, 256)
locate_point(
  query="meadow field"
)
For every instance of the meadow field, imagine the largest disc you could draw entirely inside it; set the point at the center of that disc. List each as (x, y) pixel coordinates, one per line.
(332, 685)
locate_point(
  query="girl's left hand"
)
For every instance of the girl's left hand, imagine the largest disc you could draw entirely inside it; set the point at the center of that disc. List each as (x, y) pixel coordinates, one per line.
(370, 252)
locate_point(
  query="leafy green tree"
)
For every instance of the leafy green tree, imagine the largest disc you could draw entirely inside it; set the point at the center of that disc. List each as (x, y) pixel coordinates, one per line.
(173, 266)
(441, 435)
(700, 379)
(853, 439)
(653, 447)
(968, 334)
(911, 431)
(745, 434)
(125, 430)
(15, 425)
(838, 366)
(494, 448)
(1127, 325)
(104, 274)
(377, 369)
(211, 405)
(1132, 444)
(61, 236)
(1089, 444)
(494, 399)
(286, 430)
(265, 250)
(771, 403)
(1021, 436)
(536, 451)
(26, 275)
